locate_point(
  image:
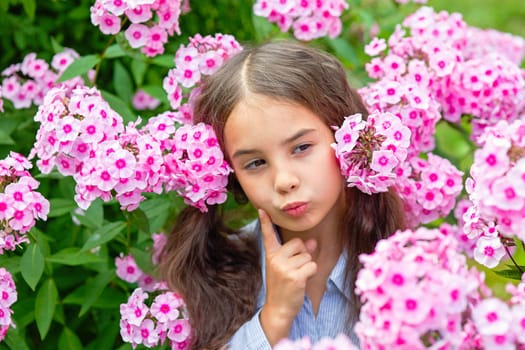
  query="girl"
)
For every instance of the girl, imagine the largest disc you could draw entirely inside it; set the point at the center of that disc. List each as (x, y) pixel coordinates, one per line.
(273, 108)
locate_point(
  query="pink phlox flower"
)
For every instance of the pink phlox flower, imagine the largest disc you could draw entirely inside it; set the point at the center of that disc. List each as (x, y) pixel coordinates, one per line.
(142, 101)
(132, 4)
(489, 251)
(146, 334)
(140, 14)
(375, 47)
(136, 34)
(179, 330)
(492, 317)
(135, 310)
(165, 307)
(127, 269)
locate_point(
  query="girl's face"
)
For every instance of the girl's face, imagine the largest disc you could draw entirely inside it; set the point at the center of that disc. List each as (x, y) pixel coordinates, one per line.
(283, 160)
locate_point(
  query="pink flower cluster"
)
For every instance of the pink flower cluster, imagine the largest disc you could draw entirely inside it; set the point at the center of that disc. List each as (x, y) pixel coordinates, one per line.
(8, 296)
(416, 290)
(497, 180)
(309, 19)
(411, 102)
(436, 67)
(128, 270)
(150, 21)
(26, 83)
(484, 235)
(341, 342)
(197, 168)
(496, 191)
(202, 56)
(142, 100)
(164, 319)
(83, 137)
(501, 325)
(370, 151)
(20, 204)
(428, 188)
(481, 42)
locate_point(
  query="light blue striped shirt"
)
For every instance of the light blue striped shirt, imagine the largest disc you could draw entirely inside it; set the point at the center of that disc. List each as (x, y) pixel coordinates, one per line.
(329, 322)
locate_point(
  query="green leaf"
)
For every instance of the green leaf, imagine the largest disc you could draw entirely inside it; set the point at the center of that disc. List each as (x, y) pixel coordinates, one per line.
(11, 263)
(24, 310)
(139, 220)
(114, 51)
(68, 340)
(56, 45)
(108, 333)
(157, 210)
(72, 256)
(45, 305)
(143, 259)
(104, 234)
(156, 91)
(122, 82)
(510, 273)
(93, 217)
(79, 66)
(14, 341)
(109, 299)
(96, 287)
(29, 8)
(343, 49)
(5, 139)
(138, 68)
(164, 61)
(119, 106)
(263, 28)
(61, 206)
(32, 265)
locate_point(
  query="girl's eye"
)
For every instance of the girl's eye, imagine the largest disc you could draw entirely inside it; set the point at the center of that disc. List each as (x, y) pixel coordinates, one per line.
(302, 148)
(254, 164)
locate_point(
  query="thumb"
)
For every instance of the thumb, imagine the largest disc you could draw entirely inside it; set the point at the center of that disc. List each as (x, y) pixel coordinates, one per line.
(270, 241)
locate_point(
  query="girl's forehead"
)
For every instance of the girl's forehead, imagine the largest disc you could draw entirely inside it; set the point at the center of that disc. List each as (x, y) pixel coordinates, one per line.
(263, 119)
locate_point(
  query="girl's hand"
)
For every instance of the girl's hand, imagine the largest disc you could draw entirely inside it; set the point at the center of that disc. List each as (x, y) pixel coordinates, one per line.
(288, 268)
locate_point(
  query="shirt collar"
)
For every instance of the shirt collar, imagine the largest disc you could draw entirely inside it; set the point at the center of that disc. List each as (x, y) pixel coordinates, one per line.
(337, 276)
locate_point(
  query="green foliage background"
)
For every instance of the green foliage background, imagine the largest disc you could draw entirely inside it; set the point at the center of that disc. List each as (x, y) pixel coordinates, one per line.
(68, 293)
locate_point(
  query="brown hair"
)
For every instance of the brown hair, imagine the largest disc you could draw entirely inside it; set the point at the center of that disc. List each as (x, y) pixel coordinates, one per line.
(220, 277)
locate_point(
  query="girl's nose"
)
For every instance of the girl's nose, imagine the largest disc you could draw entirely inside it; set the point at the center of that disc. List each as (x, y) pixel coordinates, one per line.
(285, 180)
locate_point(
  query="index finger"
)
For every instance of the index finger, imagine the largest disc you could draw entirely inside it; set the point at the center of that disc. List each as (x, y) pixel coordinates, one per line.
(270, 241)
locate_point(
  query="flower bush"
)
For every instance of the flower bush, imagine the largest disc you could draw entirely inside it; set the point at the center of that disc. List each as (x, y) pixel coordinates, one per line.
(98, 119)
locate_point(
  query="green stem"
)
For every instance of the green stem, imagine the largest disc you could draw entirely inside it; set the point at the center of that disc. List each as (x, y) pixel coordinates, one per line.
(108, 44)
(512, 258)
(97, 67)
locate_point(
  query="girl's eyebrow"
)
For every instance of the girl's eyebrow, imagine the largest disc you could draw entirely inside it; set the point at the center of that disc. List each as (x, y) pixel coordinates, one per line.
(300, 133)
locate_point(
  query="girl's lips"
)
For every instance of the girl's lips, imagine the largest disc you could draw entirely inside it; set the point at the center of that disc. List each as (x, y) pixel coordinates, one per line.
(295, 209)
